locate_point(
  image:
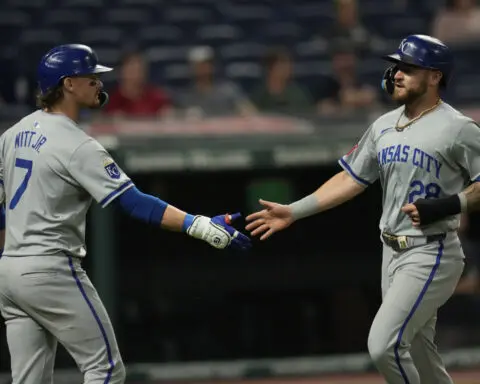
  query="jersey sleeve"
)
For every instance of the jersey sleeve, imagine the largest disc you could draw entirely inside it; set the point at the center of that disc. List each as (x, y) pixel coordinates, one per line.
(2, 188)
(467, 149)
(95, 170)
(361, 161)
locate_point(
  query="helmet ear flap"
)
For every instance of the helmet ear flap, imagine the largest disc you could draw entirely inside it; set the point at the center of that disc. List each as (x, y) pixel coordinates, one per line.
(388, 80)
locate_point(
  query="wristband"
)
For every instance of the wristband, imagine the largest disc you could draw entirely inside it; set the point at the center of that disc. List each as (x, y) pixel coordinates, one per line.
(187, 222)
(433, 210)
(305, 207)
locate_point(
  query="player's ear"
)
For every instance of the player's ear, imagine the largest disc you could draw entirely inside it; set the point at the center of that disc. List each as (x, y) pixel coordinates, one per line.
(68, 84)
(436, 77)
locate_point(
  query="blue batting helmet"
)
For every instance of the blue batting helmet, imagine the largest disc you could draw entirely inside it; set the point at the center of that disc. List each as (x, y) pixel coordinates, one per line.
(67, 60)
(420, 51)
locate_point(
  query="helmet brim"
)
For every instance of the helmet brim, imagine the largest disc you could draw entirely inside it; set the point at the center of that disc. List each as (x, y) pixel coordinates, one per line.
(101, 69)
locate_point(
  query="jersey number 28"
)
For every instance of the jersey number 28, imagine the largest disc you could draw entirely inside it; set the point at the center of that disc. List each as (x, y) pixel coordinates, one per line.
(429, 191)
(25, 164)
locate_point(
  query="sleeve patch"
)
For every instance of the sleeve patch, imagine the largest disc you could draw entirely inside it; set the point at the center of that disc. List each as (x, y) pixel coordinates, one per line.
(111, 168)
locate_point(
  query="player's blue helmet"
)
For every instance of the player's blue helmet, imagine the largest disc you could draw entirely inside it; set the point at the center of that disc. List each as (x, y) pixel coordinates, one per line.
(67, 60)
(420, 51)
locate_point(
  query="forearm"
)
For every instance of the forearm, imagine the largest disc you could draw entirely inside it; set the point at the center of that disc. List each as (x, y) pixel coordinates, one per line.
(336, 191)
(175, 219)
(472, 197)
(152, 210)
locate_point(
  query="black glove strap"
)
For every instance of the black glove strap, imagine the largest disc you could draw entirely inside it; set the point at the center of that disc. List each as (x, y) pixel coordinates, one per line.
(432, 210)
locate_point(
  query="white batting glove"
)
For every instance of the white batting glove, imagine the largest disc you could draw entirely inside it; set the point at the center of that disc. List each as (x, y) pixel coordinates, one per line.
(218, 232)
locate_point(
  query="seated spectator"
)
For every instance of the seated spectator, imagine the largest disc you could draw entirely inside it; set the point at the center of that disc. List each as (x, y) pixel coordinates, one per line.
(459, 22)
(134, 97)
(348, 27)
(208, 96)
(280, 93)
(343, 92)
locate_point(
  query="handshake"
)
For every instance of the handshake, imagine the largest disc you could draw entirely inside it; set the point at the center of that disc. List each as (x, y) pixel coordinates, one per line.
(218, 232)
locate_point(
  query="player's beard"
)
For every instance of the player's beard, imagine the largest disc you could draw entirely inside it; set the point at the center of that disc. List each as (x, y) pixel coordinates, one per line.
(410, 95)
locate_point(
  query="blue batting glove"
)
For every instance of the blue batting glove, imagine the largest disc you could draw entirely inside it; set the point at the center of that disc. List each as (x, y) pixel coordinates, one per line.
(239, 240)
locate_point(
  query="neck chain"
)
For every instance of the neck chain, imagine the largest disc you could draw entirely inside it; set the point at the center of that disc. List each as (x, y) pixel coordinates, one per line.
(400, 128)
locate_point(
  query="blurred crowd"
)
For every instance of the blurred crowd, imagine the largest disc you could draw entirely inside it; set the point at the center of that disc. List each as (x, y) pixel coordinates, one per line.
(337, 91)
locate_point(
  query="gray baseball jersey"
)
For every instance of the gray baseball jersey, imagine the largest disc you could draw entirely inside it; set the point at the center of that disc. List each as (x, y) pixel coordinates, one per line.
(436, 156)
(50, 170)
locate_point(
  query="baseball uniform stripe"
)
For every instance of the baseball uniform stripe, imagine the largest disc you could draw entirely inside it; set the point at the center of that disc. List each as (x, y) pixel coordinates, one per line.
(347, 168)
(115, 193)
(414, 308)
(97, 319)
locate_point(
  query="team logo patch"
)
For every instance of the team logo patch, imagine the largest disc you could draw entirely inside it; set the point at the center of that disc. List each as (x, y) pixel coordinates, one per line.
(111, 168)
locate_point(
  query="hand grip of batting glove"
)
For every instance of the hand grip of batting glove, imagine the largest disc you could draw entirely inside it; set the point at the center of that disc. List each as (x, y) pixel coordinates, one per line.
(218, 232)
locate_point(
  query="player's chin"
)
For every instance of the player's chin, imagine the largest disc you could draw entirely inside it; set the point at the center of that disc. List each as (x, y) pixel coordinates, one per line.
(399, 95)
(95, 103)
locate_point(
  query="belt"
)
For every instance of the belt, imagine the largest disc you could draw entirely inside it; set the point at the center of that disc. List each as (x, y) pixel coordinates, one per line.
(401, 243)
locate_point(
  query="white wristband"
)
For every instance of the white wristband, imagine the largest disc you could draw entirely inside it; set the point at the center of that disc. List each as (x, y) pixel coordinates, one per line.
(305, 207)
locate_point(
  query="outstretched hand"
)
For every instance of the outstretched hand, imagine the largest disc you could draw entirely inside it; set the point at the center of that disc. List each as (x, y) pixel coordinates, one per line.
(266, 222)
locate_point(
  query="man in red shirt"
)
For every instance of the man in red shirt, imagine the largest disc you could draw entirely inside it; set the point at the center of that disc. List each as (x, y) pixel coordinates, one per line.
(134, 97)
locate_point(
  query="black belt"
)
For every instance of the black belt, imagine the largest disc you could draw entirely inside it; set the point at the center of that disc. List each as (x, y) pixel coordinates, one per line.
(401, 243)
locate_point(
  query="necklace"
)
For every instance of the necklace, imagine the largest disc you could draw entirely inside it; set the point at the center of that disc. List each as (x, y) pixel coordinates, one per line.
(400, 128)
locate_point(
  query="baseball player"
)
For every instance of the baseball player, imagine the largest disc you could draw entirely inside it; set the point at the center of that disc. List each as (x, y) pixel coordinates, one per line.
(425, 154)
(49, 172)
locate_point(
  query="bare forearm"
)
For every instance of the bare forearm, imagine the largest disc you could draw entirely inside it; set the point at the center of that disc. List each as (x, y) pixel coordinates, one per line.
(173, 219)
(336, 191)
(472, 197)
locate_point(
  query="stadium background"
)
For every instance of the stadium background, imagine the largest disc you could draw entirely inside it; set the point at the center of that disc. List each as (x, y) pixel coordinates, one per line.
(296, 84)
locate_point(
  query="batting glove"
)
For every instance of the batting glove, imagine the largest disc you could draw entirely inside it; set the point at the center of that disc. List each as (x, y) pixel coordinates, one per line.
(218, 232)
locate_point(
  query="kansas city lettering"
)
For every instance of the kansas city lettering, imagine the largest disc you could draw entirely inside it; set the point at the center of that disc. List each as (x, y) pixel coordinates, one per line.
(405, 154)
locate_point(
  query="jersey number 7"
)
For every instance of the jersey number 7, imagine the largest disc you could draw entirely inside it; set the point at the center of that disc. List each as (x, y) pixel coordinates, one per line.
(25, 164)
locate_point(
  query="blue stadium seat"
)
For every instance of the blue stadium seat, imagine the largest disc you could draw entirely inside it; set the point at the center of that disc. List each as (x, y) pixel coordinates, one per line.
(281, 33)
(12, 23)
(82, 3)
(106, 35)
(33, 36)
(246, 12)
(311, 69)
(163, 55)
(312, 49)
(247, 74)
(153, 35)
(128, 18)
(187, 15)
(66, 19)
(217, 34)
(155, 4)
(247, 51)
(176, 75)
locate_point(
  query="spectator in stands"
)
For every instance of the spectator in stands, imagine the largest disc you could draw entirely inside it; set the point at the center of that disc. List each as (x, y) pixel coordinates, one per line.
(459, 22)
(134, 96)
(343, 92)
(348, 26)
(208, 96)
(280, 93)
